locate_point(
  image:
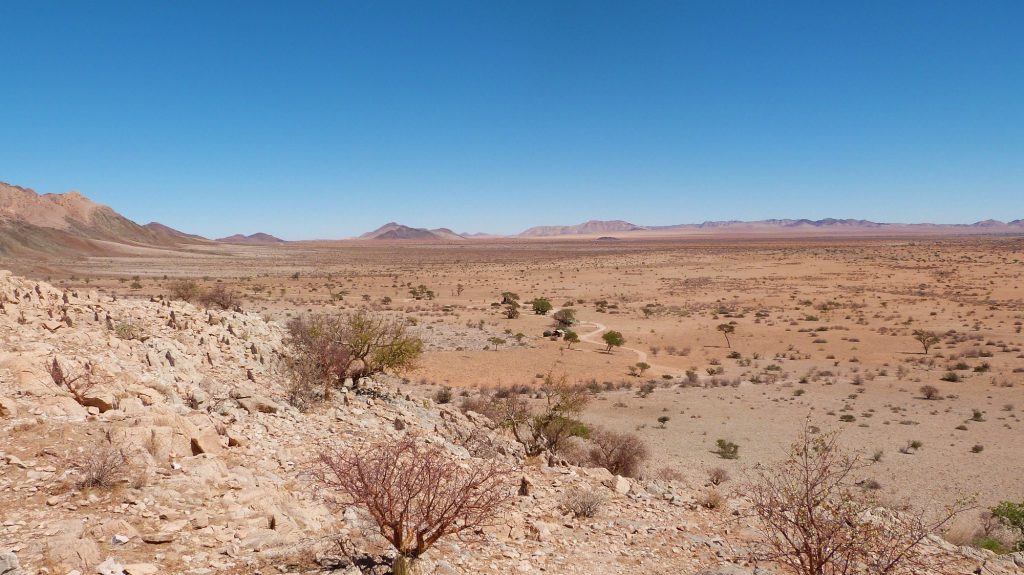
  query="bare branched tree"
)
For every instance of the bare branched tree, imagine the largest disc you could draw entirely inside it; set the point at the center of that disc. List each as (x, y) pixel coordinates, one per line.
(416, 493)
(815, 522)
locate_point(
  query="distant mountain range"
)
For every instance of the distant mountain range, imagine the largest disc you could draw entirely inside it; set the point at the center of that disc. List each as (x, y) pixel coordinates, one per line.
(395, 231)
(71, 224)
(604, 228)
(593, 227)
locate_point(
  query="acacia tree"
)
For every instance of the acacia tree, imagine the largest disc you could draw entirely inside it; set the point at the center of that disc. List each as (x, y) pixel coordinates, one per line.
(816, 522)
(546, 429)
(726, 329)
(541, 306)
(570, 338)
(565, 317)
(613, 339)
(926, 338)
(415, 492)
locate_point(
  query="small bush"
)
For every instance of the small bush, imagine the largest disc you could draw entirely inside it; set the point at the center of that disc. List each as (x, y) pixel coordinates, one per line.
(727, 449)
(127, 330)
(621, 453)
(1011, 516)
(930, 392)
(185, 290)
(100, 466)
(443, 395)
(711, 499)
(221, 297)
(583, 502)
(718, 476)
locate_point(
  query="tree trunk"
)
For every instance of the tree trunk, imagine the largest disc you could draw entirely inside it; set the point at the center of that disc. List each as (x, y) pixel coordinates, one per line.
(403, 565)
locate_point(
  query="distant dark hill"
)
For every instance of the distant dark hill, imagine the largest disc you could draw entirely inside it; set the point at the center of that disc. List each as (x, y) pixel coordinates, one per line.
(258, 238)
(396, 231)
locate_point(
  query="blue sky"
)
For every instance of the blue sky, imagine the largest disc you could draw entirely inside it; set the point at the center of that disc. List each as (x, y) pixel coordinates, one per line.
(327, 119)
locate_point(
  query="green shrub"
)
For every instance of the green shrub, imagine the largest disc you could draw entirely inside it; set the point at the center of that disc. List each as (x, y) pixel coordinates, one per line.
(727, 449)
(1011, 516)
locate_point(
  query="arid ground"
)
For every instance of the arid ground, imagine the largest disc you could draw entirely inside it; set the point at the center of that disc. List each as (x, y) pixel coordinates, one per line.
(823, 329)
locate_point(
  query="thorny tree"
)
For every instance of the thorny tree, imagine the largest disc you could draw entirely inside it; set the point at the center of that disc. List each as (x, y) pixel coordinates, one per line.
(816, 523)
(416, 493)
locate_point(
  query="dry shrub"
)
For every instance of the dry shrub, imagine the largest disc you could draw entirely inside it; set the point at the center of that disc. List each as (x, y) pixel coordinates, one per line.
(669, 473)
(583, 502)
(99, 466)
(185, 290)
(621, 453)
(816, 522)
(718, 476)
(222, 297)
(711, 499)
(483, 404)
(416, 493)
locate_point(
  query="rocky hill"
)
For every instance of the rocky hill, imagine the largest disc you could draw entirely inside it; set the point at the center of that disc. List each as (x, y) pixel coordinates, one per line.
(34, 224)
(592, 227)
(212, 475)
(396, 231)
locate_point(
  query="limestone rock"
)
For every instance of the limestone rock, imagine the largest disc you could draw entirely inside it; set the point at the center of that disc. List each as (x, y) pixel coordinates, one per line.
(8, 408)
(9, 564)
(101, 400)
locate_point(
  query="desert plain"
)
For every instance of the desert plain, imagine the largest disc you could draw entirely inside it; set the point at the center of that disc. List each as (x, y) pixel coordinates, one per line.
(822, 332)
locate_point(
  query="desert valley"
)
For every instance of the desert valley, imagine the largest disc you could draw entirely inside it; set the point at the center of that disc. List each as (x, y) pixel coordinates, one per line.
(159, 411)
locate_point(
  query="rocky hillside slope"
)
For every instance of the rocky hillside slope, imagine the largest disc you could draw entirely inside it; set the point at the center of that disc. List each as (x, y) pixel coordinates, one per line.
(37, 225)
(215, 479)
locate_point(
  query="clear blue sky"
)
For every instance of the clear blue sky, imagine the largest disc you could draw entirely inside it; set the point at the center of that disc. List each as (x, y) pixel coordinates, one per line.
(327, 119)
